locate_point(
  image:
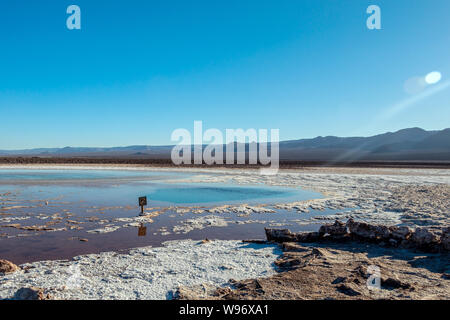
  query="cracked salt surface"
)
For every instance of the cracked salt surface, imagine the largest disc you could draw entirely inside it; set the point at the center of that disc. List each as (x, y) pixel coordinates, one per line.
(373, 194)
(145, 273)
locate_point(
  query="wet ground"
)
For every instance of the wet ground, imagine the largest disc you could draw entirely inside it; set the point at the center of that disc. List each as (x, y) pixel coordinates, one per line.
(58, 214)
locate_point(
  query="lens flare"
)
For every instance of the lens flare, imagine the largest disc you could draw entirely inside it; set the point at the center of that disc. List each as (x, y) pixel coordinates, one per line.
(433, 77)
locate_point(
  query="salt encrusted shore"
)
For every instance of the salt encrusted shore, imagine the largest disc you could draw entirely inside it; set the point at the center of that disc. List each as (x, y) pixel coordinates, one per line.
(408, 197)
(144, 273)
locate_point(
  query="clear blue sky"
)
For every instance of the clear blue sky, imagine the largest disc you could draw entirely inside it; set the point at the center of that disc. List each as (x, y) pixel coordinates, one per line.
(140, 69)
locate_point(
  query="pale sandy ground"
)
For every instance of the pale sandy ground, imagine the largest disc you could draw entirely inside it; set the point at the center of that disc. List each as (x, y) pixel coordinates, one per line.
(414, 197)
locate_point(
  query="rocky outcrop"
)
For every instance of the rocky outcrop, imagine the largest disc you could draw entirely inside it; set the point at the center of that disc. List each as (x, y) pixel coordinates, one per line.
(308, 237)
(400, 233)
(31, 293)
(8, 267)
(424, 238)
(338, 271)
(421, 238)
(367, 231)
(336, 229)
(280, 235)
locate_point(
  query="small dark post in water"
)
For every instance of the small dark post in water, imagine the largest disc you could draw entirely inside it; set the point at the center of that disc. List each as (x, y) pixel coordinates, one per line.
(142, 203)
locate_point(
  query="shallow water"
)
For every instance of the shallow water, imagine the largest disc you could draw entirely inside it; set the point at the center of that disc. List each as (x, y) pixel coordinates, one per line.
(114, 187)
(45, 175)
(85, 198)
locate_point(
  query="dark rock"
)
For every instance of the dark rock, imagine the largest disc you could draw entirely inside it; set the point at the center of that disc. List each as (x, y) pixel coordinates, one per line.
(7, 267)
(400, 233)
(347, 290)
(307, 237)
(367, 231)
(391, 283)
(382, 232)
(393, 242)
(336, 229)
(280, 235)
(338, 280)
(445, 239)
(424, 238)
(31, 293)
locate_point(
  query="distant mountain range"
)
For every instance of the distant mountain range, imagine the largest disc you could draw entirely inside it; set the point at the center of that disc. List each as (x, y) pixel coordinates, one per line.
(407, 144)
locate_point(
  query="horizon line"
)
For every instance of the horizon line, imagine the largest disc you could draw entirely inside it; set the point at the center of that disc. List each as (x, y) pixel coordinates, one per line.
(170, 145)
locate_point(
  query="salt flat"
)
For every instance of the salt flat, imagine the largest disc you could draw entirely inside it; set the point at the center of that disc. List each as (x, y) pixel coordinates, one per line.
(412, 197)
(144, 273)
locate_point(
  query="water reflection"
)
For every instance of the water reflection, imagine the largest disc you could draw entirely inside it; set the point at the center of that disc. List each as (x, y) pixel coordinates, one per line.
(142, 230)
